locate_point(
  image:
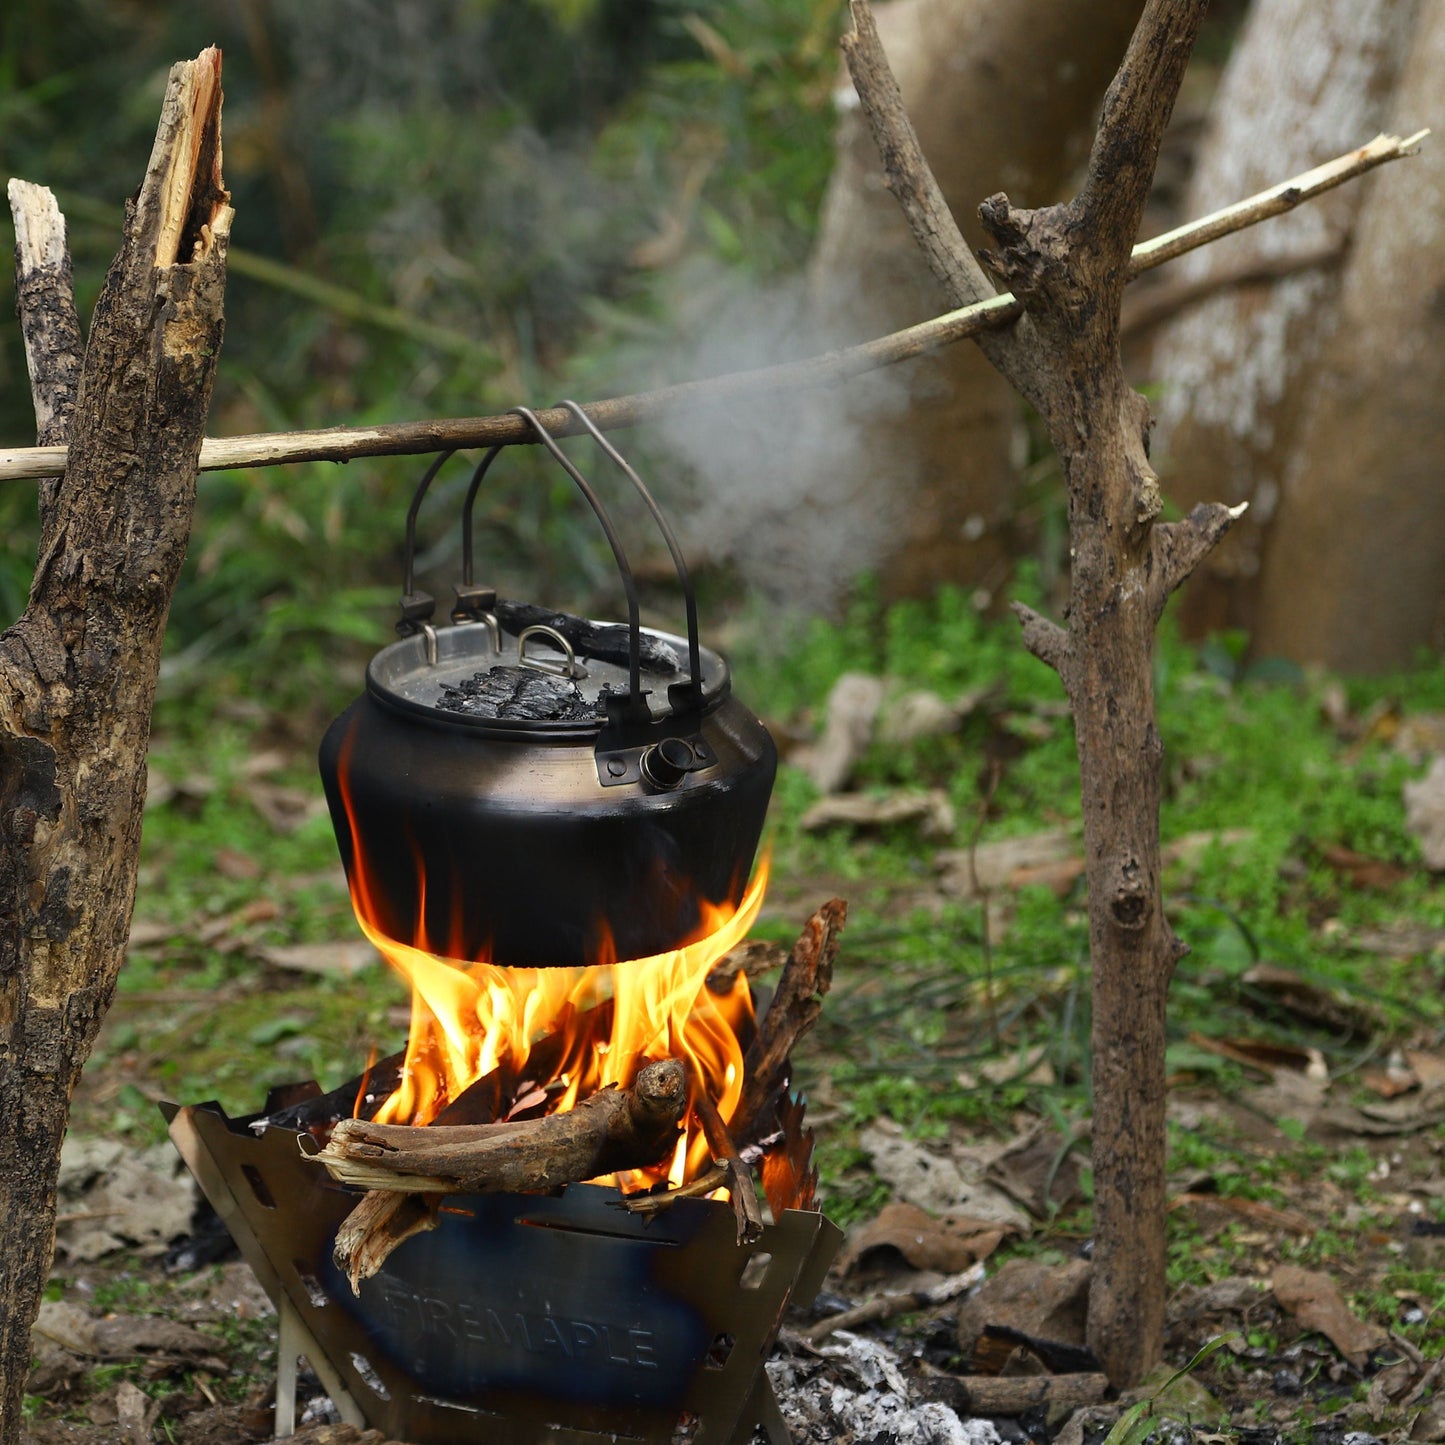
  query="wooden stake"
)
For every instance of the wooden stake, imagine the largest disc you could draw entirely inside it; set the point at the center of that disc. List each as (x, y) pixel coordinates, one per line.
(1068, 265)
(78, 670)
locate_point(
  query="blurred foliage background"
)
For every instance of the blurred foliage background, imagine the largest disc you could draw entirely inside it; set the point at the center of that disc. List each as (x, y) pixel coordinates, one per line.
(441, 210)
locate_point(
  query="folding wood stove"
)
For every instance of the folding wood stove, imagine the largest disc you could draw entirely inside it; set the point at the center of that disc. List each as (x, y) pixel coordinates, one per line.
(521, 1318)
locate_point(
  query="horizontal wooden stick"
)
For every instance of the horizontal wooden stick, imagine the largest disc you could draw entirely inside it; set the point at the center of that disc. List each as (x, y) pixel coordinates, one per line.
(340, 444)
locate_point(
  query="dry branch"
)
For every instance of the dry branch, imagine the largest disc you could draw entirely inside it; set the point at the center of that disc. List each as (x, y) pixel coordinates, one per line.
(906, 172)
(382, 1222)
(340, 444)
(1068, 265)
(49, 324)
(45, 301)
(614, 1129)
(1011, 1395)
(885, 1306)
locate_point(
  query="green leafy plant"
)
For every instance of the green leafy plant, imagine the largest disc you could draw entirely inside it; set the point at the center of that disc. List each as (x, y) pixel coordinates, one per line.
(1141, 1420)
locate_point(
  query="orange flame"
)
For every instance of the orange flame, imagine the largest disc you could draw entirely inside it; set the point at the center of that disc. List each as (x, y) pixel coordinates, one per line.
(469, 1018)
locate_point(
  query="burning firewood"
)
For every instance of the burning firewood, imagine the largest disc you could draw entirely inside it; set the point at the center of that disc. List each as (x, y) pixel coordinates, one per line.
(383, 1220)
(613, 1129)
(806, 977)
(406, 1167)
(738, 1176)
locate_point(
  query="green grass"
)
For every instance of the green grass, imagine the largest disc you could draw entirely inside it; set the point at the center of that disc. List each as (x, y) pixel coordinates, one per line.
(918, 999)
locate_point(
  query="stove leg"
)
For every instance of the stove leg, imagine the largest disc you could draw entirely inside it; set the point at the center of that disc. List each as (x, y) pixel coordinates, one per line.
(289, 1347)
(763, 1409)
(293, 1341)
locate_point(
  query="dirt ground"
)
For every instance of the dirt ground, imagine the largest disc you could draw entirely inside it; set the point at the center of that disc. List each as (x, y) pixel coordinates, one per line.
(1306, 1229)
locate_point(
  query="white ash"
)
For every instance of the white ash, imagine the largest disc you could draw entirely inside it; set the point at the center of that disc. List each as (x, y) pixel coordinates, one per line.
(852, 1389)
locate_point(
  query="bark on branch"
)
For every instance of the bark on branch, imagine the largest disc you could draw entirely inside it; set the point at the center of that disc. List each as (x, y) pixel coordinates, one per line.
(907, 174)
(45, 301)
(612, 1129)
(78, 670)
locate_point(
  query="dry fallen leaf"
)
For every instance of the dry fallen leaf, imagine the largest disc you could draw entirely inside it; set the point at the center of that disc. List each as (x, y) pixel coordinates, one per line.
(1362, 871)
(1331, 1007)
(1314, 1300)
(341, 958)
(947, 1245)
(1264, 1055)
(1254, 1210)
(239, 867)
(996, 865)
(1040, 1169)
(1043, 1300)
(852, 709)
(1428, 1068)
(935, 1182)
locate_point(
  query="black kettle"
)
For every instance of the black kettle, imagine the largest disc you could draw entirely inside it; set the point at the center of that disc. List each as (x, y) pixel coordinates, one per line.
(534, 789)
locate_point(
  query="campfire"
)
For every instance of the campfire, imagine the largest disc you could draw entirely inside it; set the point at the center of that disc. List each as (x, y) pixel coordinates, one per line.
(548, 826)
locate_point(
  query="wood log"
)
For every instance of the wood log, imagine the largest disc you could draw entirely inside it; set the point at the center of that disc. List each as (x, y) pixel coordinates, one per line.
(613, 1129)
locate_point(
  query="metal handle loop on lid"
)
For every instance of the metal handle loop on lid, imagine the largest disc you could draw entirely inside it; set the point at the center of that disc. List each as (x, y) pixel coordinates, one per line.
(569, 667)
(634, 622)
(694, 652)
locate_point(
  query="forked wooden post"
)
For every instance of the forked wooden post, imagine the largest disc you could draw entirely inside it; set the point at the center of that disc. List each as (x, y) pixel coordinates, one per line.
(1068, 265)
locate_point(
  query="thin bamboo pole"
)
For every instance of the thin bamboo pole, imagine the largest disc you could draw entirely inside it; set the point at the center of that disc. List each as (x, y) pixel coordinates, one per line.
(340, 444)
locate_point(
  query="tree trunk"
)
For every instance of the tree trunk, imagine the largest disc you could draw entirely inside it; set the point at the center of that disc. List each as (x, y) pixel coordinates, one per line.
(78, 672)
(1001, 95)
(1354, 571)
(1237, 371)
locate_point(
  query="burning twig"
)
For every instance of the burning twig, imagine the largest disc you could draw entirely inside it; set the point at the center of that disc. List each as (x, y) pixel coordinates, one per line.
(699, 1188)
(613, 1129)
(741, 1193)
(807, 976)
